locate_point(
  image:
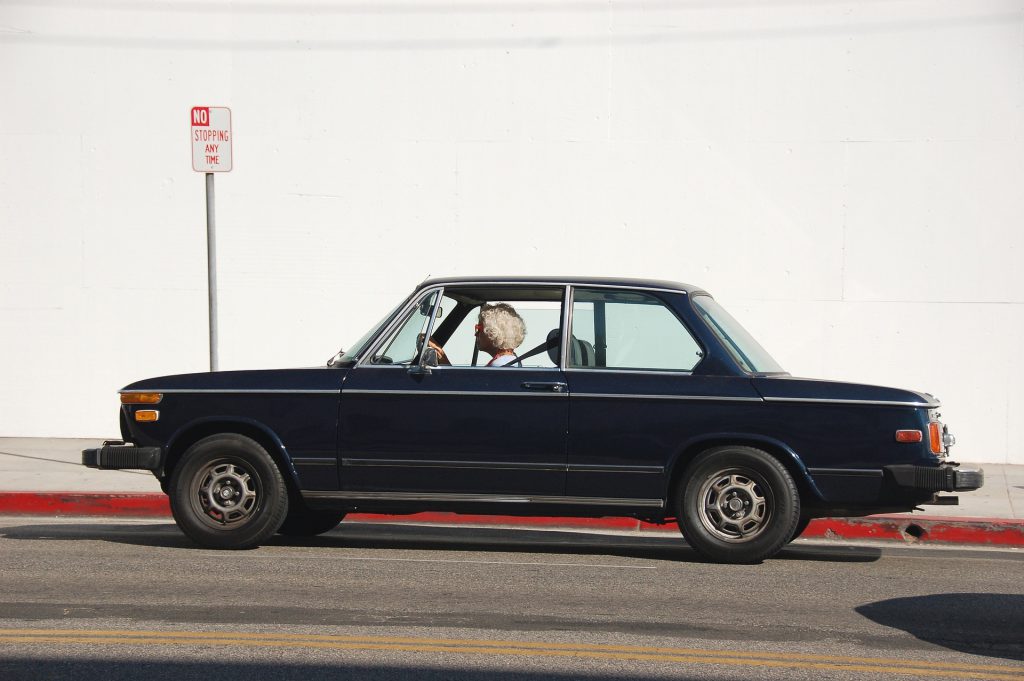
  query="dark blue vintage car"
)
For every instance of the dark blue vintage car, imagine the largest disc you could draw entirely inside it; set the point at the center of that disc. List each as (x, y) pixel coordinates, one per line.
(624, 397)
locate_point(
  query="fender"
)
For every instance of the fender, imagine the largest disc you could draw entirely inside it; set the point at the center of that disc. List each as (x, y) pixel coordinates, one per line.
(248, 423)
(752, 439)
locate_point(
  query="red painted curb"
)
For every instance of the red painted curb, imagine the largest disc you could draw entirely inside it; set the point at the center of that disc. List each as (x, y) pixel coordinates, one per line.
(905, 529)
(84, 503)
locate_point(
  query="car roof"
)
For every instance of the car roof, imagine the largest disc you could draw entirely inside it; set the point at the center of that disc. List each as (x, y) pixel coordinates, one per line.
(623, 282)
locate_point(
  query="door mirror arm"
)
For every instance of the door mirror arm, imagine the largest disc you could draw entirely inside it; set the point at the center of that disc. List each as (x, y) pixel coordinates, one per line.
(428, 361)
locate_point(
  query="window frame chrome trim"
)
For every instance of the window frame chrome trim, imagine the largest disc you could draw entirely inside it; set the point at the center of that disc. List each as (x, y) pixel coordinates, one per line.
(456, 393)
(658, 372)
(399, 318)
(682, 322)
(481, 498)
(569, 288)
(558, 284)
(563, 337)
(446, 367)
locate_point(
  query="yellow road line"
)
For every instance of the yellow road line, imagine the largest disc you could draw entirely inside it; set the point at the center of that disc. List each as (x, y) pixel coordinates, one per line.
(246, 636)
(528, 649)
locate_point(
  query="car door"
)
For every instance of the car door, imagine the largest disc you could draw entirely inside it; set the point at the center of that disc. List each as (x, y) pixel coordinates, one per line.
(487, 432)
(634, 398)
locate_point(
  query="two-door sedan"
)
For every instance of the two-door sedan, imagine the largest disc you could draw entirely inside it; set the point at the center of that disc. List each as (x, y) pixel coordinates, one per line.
(622, 397)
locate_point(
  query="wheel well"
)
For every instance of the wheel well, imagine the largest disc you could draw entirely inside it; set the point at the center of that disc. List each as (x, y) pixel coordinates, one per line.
(203, 430)
(775, 451)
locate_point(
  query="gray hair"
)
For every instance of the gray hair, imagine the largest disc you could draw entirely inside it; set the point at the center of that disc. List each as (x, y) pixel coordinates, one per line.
(503, 325)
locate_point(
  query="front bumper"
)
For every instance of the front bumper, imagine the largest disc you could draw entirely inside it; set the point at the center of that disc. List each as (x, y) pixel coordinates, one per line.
(944, 478)
(119, 455)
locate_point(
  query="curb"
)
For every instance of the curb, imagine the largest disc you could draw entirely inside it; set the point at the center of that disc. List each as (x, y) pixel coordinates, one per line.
(902, 528)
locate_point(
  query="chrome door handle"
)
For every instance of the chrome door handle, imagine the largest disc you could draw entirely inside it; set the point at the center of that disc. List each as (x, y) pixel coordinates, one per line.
(553, 386)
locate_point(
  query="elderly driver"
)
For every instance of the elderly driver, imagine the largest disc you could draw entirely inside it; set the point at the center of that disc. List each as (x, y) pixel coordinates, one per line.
(499, 332)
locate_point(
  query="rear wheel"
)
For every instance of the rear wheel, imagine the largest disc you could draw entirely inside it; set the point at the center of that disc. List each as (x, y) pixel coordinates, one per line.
(227, 493)
(303, 522)
(737, 505)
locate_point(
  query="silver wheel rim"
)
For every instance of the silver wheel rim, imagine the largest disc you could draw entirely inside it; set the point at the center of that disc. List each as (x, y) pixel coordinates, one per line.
(735, 505)
(226, 494)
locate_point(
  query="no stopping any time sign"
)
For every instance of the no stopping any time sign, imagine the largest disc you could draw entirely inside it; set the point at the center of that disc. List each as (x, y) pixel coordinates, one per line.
(211, 139)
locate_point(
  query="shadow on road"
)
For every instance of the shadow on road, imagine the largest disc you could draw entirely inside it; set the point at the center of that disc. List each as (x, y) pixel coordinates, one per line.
(954, 621)
(434, 538)
(60, 669)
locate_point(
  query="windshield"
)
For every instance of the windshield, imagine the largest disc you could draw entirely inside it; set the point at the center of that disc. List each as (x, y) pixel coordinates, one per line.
(747, 352)
(350, 357)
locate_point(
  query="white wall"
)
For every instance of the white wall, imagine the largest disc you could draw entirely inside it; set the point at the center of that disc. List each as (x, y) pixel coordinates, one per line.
(846, 177)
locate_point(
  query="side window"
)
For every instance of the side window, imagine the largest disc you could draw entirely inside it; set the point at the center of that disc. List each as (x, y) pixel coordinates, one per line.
(493, 325)
(628, 330)
(403, 346)
(540, 318)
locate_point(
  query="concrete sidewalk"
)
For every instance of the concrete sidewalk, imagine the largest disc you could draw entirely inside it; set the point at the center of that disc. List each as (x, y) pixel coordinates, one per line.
(43, 475)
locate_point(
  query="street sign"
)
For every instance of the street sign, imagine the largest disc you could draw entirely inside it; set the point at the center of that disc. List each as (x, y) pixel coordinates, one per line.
(211, 139)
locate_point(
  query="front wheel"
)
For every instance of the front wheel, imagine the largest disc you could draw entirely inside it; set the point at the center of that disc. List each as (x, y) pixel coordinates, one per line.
(227, 493)
(737, 505)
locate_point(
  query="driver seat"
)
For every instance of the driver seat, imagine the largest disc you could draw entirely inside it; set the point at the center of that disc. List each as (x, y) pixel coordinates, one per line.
(581, 352)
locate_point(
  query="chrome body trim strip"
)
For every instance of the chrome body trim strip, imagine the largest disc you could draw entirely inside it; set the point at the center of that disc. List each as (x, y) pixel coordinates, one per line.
(456, 393)
(309, 461)
(877, 403)
(483, 498)
(417, 463)
(589, 468)
(238, 391)
(686, 398)
(851, 472)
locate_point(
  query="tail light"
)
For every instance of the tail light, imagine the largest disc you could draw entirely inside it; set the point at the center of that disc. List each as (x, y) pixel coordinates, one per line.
(909, 436)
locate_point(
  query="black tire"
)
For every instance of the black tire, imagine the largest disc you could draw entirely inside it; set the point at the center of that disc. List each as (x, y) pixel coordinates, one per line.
(738, 505)
(227, 493)
(801, 525)
(303, 522)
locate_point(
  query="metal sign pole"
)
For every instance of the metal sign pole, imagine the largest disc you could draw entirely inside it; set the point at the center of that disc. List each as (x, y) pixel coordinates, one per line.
(211, 153)
(211, 269)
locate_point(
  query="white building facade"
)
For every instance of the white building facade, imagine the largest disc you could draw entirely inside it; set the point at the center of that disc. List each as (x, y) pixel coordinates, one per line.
(847, 178)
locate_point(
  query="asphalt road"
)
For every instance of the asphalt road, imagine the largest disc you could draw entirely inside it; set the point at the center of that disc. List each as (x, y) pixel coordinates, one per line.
(94, 599)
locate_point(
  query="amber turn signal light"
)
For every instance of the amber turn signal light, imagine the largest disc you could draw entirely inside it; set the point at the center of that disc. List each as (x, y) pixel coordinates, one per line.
(909, 436)
(141, 398)
(147, 415)
(935, 436)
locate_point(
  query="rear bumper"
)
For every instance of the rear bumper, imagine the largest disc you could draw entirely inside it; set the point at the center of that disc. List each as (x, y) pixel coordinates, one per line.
(119, 455)
(940, 479)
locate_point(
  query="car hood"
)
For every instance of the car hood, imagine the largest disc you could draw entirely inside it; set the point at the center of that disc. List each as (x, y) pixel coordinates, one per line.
(811, 389)
(315, 378)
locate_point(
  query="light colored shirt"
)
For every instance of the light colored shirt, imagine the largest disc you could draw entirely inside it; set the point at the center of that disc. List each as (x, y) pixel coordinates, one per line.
(502, 360)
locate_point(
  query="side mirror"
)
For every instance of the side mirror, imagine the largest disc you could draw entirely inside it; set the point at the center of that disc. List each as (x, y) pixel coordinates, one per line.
(334, 360)
(428, 360)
